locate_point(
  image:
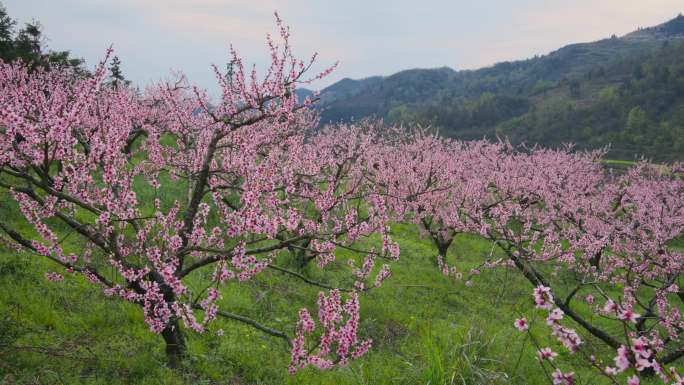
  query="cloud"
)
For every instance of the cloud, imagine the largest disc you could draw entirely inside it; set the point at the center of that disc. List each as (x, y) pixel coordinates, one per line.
(368, 37)
(590, 20)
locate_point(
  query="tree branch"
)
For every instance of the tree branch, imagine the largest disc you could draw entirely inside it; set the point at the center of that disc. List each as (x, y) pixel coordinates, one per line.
(307, 280)
(253, 323)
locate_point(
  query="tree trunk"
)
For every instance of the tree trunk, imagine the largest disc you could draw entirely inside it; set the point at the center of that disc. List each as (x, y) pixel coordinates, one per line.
(175, 343)
(302, 257)
(442, 245)
(596, 259)
(442, 248)
(647, 373)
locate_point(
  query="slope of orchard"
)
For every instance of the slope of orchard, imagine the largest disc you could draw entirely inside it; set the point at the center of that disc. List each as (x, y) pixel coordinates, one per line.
(255, 248)
(427, 330)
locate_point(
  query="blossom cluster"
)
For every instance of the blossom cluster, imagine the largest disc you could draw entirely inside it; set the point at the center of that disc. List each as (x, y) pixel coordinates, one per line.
(339, 341)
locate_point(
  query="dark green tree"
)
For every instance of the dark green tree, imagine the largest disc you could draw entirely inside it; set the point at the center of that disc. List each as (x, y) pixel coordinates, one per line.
(6, 35)
(116, 76)
(6, 31)
(27, 44)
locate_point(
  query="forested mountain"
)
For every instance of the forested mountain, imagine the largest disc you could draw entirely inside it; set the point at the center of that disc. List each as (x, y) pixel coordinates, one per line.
(624, 91)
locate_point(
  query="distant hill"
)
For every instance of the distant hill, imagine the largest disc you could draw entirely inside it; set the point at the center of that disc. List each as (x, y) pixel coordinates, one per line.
(582, 93)
(671, 29)
(636, 105)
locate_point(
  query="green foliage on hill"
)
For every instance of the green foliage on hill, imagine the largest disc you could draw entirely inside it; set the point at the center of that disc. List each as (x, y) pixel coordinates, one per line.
(637, 106)
(626, 92)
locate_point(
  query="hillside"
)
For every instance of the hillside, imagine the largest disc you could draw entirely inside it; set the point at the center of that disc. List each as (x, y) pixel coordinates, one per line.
(550, 99)
(636, 106)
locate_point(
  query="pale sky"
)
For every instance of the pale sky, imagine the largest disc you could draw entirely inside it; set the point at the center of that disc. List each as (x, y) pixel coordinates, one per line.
(367, 37)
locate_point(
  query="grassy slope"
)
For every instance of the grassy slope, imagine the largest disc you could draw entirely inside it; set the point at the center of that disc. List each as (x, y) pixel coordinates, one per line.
(419, 330)
(427, 329)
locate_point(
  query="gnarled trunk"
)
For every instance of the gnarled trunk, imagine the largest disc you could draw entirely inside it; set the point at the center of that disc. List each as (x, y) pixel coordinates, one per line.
(443, 247)
(301, 255)
(175, 343)
(442, 244)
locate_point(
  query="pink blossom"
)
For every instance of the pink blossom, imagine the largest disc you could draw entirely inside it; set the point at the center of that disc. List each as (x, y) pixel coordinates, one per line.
(560, 378)
(546, 354)
(555, 315)
(628, 315)
(543, 297)
(54, 277)
(339, 322)
(622, 359)
(521, 324)
(610, 306)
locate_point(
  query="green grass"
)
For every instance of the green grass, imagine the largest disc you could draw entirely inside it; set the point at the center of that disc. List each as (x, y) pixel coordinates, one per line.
(427, 328)
(625, 163)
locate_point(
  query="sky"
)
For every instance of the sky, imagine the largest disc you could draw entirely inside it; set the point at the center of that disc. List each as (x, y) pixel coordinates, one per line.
(153, 38)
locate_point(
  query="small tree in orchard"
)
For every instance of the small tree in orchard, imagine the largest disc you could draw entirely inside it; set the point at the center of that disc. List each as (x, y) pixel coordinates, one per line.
(449, 175)
(424, 180)
(141, 194)
(590, 242)
(338, 184)
(601, 244)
